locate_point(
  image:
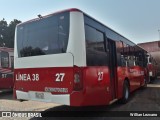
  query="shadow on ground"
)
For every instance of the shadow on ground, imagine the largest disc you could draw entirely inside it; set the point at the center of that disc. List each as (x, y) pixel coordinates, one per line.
(6, 94)
(143, 99)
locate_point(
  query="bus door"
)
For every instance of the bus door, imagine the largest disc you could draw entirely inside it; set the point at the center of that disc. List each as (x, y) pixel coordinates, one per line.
(112, 67)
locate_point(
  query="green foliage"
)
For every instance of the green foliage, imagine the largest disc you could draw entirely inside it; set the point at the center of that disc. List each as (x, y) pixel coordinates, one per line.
(7, 32)
(3, 30)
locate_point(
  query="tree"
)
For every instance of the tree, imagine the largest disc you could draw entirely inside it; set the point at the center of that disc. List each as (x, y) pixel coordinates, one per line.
(3, 31)
(11, 33)
(7, 33)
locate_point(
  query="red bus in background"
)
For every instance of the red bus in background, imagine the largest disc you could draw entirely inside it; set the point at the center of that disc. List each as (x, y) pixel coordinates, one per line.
(70, 58)
(152, 68)
(6, 68)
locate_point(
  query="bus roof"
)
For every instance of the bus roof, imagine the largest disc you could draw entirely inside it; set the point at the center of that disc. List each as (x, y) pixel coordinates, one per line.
(45, 16)
(76, 9)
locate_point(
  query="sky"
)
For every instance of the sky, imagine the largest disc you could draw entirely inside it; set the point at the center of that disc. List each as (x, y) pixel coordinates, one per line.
(137, 20)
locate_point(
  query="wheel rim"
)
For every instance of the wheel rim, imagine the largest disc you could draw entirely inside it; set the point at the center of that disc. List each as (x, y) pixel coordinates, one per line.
(126, 93)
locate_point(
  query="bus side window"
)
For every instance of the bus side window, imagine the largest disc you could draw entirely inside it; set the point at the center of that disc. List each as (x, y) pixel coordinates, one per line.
(4, 59)
(123, 62)
(120, 59)
(124, 55)
(95, 50)
(136, 53)
(131, 60)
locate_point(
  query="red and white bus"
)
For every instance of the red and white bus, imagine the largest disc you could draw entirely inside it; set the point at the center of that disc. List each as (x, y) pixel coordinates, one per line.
(70, 58)
(6, 68)
(152, 68)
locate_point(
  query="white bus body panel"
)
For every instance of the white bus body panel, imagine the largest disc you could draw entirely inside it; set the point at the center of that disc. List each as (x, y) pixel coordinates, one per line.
(76, 43)
(56, 60)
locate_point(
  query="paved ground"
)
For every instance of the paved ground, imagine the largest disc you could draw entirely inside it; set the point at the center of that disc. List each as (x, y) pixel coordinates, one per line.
(147, 99)
(8, 104)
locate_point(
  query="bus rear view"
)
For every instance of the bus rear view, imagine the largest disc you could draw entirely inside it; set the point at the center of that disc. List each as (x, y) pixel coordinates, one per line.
(44, 57)
(70, 58)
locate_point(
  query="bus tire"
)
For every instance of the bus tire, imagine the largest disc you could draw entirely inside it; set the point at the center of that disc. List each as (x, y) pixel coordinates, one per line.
(126, 92)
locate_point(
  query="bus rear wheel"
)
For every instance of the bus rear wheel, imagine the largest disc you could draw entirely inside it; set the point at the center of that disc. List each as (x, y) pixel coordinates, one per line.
(126, 92)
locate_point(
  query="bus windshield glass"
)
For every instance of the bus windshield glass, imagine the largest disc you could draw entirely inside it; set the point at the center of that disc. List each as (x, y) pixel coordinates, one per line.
(48, 35)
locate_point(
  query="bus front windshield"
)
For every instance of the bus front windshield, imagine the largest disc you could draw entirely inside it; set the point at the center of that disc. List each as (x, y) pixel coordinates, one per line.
(48, 35)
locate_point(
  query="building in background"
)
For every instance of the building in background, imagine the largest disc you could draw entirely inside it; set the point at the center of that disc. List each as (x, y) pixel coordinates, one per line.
(154, 49)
